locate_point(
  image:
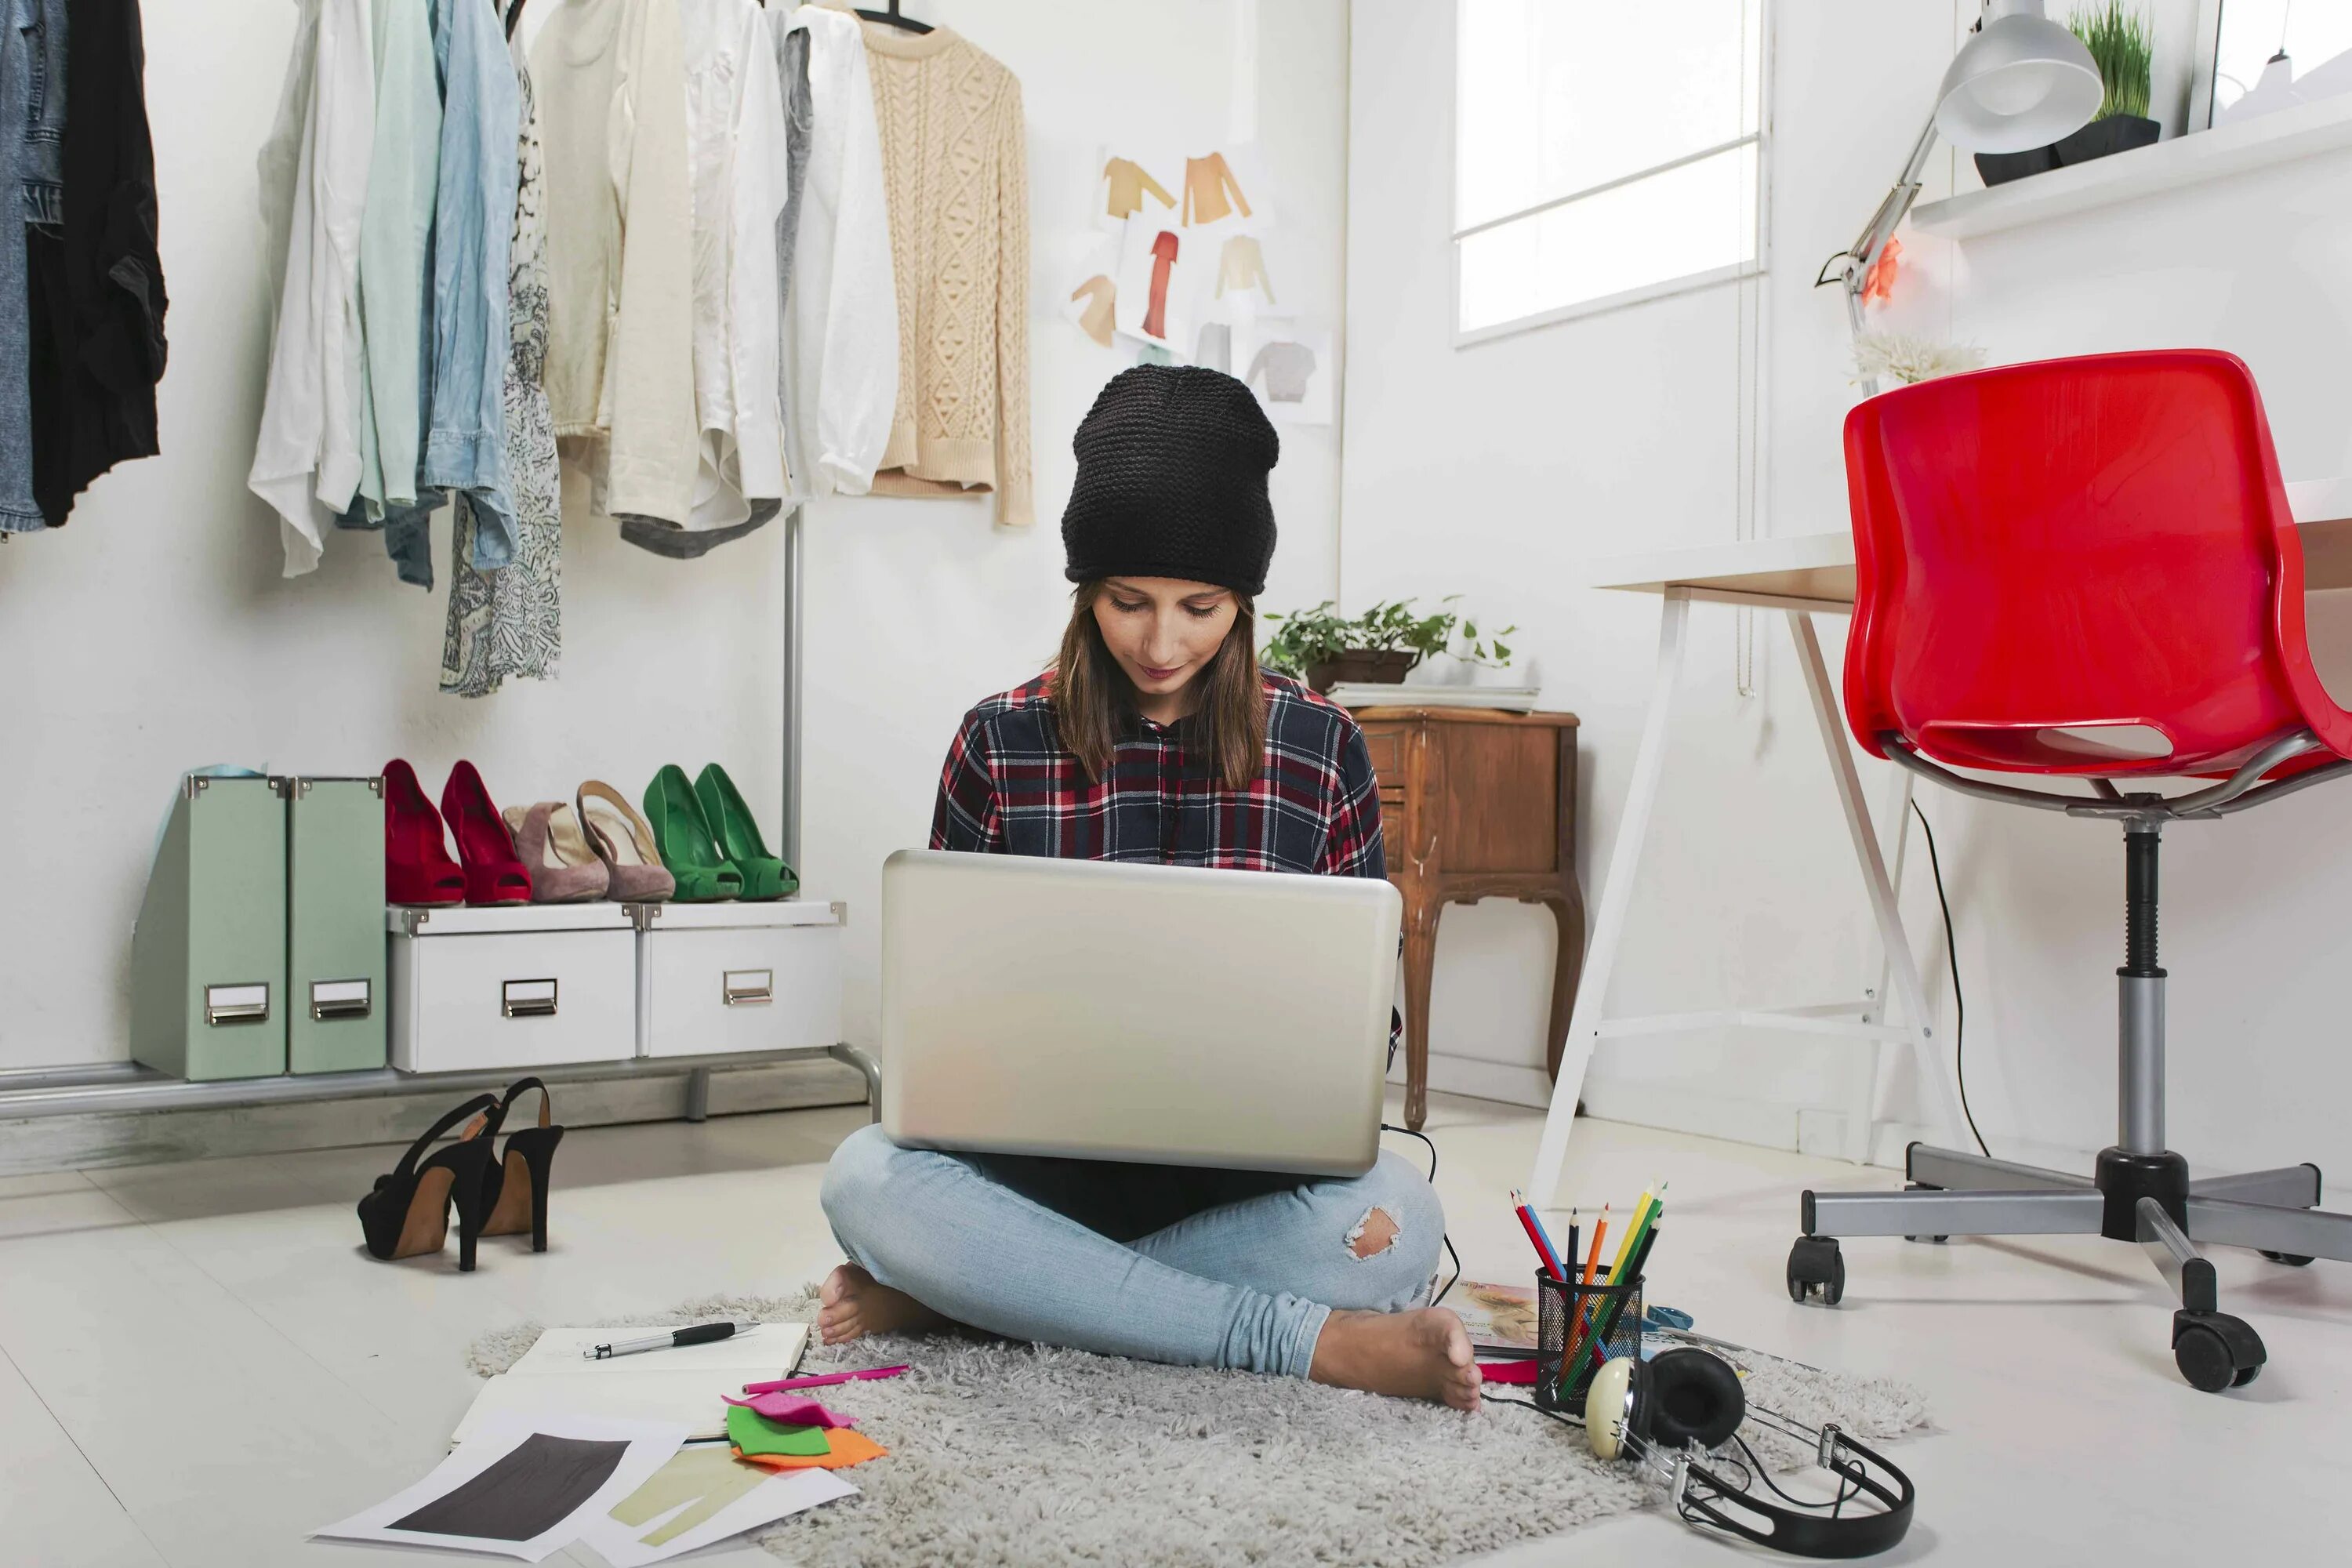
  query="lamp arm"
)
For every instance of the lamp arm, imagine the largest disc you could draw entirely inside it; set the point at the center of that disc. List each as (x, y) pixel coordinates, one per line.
(1881, 227)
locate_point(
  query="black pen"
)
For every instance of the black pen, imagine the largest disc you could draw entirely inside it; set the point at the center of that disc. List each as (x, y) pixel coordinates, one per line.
(700, 1334)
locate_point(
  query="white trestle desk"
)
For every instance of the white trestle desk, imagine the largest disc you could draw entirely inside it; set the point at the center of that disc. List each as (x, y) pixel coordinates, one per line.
(1803, 576)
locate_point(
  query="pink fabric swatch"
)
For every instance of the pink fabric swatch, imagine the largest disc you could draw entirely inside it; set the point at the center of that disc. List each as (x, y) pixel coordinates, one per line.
(792, 1410)
(1509, 1371)
(820, 1380)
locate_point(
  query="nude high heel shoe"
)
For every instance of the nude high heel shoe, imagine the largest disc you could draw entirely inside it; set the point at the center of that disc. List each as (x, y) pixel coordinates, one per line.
(625, 844)
(555, 851)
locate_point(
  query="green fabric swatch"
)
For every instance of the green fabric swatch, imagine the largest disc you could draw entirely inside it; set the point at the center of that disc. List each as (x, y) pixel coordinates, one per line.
(755, 1434)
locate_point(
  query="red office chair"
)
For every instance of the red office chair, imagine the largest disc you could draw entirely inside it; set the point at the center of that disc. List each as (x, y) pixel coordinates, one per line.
(2086, 568)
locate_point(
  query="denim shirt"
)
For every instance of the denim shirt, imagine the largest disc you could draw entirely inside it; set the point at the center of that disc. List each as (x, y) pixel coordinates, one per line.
(42, 26)
(473, 227)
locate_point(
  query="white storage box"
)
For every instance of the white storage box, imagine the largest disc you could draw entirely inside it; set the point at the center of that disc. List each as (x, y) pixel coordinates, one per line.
(738, 977)
(526, 986)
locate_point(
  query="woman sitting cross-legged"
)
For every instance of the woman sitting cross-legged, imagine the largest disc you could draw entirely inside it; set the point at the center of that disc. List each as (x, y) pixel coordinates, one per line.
(1156, 738)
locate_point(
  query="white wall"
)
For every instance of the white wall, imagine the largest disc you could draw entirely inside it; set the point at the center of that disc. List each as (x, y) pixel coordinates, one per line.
(153, 632)
(1503, 468)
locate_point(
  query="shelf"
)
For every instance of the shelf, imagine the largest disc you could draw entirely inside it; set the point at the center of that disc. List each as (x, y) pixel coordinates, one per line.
(2278, 138)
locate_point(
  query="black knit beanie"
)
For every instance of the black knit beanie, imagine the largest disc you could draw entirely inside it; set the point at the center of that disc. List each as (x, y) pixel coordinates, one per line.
(1172, 462)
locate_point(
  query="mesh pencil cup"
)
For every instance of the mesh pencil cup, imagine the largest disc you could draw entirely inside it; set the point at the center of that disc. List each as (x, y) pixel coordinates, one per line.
(1568, 1317)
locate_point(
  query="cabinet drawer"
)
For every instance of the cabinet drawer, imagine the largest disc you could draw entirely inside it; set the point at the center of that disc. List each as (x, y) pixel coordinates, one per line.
(519, 999)
(1386, 749)
(766, 987)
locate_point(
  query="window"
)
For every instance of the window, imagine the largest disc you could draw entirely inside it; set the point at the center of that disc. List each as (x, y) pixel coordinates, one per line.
(1603, 153)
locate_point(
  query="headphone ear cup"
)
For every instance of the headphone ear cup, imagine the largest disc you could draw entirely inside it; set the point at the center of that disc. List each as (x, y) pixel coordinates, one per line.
(1691, 1397)
(1608, 1408)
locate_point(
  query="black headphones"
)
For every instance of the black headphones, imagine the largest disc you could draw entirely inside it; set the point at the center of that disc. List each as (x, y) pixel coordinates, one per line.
(1673, 1412)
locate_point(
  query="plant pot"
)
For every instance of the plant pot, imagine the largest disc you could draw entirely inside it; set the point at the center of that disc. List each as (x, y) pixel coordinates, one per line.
(2116, 134)
(2000, 168)
(1381, 667)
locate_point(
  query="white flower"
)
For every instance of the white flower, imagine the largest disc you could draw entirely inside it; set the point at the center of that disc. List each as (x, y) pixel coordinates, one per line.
(1905, 357)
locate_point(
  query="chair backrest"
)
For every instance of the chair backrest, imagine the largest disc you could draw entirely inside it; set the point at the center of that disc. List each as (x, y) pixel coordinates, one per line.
(2078, 566)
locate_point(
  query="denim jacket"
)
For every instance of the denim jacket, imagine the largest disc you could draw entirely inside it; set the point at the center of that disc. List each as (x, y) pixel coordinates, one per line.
(473, 227)
(42, 24)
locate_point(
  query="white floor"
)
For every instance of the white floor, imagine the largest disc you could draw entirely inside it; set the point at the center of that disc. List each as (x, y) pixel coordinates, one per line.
(197, 1364)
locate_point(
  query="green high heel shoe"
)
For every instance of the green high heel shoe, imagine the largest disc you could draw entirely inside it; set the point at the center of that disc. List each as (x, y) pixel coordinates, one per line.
(765, 876)
(704, 875)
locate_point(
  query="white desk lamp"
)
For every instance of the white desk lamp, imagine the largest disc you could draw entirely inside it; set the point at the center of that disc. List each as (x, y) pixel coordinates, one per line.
(2022, 81)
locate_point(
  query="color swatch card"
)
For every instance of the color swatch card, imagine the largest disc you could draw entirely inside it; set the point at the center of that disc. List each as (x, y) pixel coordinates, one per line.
(685, 1384)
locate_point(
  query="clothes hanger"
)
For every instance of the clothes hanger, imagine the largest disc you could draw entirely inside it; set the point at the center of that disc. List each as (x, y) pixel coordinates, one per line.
(891, 18)
(514, 15)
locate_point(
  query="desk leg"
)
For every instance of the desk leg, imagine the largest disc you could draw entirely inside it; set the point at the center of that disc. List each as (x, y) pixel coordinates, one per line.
(1831, 718)
(1423, 909)
(1616, 897)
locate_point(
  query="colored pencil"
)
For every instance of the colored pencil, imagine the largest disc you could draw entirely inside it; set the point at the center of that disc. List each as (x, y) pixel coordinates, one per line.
(1600, 1230)
(1559, 1264)
(1544, 1254)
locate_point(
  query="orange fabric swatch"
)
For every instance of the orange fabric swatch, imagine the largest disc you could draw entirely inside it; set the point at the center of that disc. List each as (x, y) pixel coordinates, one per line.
(850, 1447)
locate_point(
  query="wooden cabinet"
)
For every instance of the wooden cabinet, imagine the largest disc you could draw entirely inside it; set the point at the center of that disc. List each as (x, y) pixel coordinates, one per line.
(1476, 804)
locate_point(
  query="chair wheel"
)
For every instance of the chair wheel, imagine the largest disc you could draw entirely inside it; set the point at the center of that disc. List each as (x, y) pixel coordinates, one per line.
(2292, 1260)
(2215, 1351)
(1816, 1266)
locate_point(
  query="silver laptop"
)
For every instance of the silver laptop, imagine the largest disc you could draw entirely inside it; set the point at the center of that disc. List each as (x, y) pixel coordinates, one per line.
(1237, 1019)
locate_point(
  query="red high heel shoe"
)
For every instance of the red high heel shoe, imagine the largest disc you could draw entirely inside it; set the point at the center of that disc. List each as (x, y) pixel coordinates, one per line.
(416, 865)
(495, 874)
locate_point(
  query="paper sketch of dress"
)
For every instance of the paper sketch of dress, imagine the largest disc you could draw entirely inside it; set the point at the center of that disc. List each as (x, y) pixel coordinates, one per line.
(1242, 266)
(1100, 294)
(1286, 367)
(1207, 182)
(1128, 181)
(1155, 313)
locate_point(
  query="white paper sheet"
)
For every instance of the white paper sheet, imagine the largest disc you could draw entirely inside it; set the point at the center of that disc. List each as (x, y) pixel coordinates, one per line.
(685, 1385)
(786, 1493)
(649, 1447)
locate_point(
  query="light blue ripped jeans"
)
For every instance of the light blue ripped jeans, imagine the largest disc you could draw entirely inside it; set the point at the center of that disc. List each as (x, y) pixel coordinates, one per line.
(1222, 1268)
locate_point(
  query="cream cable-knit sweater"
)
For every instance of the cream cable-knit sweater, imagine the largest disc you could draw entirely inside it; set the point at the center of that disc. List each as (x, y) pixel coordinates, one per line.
(955, 169)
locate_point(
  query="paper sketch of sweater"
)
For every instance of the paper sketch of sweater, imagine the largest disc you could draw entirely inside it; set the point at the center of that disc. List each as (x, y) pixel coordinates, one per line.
(1242, 266)
(1286, 367)
(1100, 294)
(1128, 183)
(1207, 182)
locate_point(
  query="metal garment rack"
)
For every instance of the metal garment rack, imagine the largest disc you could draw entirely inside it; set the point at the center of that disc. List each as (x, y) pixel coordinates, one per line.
(119, 1087)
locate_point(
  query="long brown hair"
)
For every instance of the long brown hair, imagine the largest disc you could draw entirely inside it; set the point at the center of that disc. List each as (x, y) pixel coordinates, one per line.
(1091, 693)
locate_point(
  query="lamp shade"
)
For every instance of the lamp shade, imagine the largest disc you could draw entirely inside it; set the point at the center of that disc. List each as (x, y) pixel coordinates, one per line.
(2021, 82)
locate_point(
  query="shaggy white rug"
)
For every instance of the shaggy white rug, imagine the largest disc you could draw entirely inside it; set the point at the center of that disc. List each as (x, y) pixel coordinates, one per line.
(1021, 1454)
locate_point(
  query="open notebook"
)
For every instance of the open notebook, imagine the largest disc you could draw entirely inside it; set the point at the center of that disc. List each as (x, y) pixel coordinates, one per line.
(555, 1378)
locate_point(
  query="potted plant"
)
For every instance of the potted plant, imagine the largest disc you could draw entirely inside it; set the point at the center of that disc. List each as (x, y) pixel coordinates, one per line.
(2118, 40)
(1324, 647)
(2120, 46)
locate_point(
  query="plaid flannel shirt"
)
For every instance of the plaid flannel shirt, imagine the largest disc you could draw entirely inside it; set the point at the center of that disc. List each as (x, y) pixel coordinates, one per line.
(1012, 787)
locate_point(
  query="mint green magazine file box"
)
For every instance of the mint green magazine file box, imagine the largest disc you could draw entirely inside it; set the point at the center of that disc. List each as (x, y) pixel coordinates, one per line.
(208, 955)
(334, 924)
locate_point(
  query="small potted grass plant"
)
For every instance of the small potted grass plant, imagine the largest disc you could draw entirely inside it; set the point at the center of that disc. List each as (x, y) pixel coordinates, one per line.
(1324, 647)
(2118, 40)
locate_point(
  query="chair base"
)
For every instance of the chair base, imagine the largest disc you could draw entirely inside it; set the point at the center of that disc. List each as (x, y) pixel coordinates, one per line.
(1955, 1193)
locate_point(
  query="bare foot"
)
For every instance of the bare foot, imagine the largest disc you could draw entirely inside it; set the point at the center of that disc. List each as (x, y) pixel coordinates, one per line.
(1422, 1354)
(851, 1305)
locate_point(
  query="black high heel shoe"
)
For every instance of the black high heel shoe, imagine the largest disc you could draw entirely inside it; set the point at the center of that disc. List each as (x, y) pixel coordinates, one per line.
(514, 1186)
(408, 1212)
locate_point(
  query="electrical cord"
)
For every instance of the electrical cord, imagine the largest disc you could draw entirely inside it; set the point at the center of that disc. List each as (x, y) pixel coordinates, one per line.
(1424, 1137)
(1959, 1001)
